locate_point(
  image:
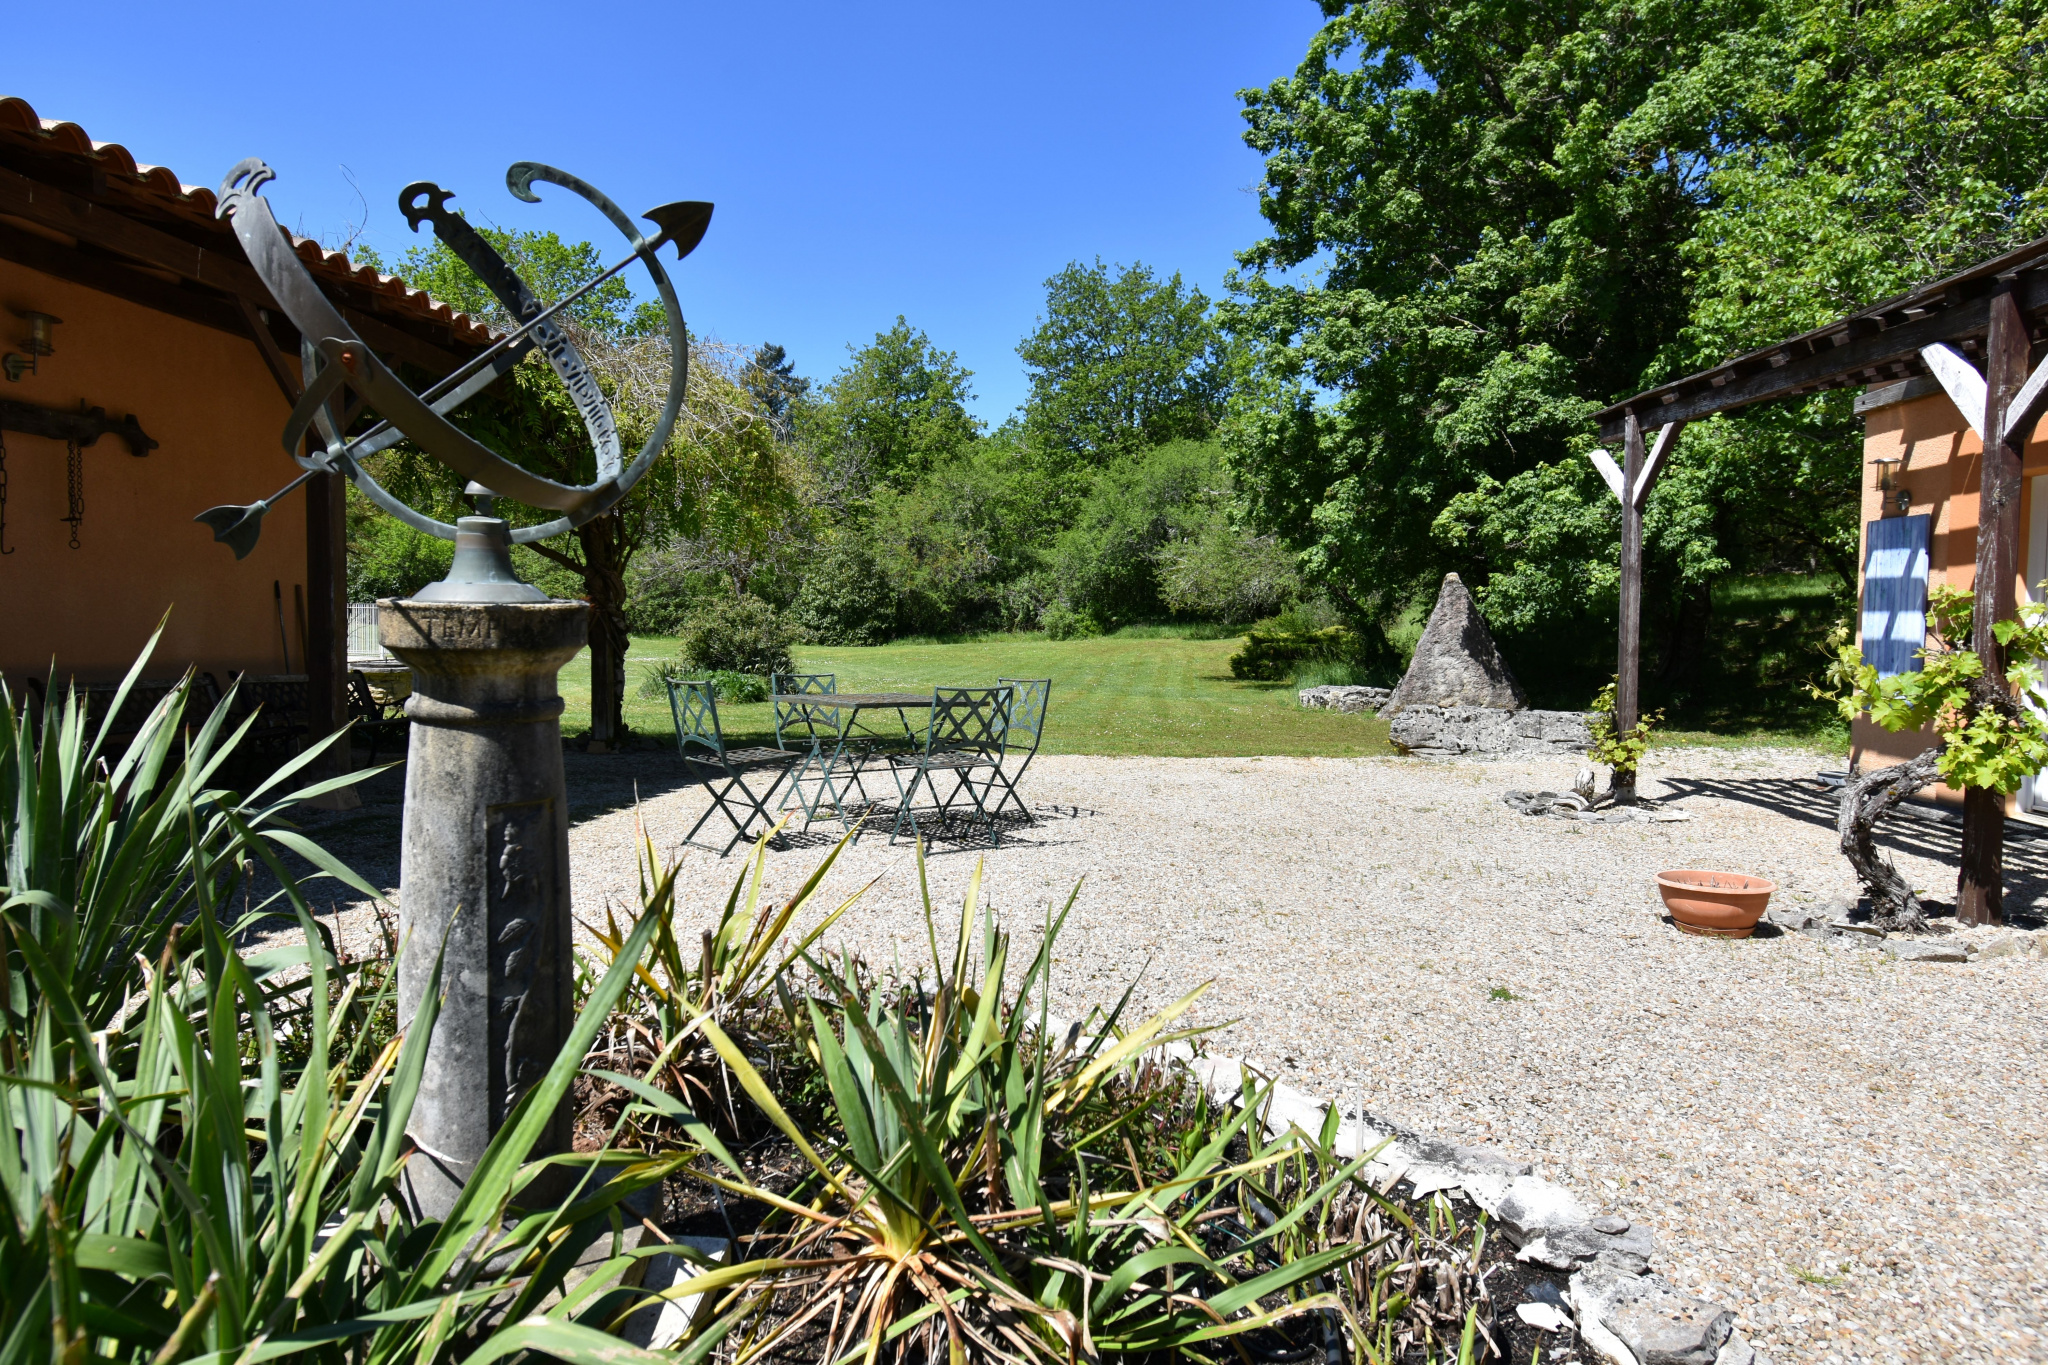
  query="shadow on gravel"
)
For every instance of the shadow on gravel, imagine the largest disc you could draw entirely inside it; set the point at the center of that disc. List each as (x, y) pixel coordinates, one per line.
(1918, 829)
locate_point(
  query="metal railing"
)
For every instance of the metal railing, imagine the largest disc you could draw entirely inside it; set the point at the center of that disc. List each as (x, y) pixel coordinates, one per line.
(363, 646)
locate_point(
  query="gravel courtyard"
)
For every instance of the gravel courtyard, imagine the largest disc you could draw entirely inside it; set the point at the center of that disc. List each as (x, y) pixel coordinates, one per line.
(1846, 1150)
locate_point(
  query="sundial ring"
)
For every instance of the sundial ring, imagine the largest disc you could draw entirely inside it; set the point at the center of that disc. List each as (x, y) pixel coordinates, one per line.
(335, 354)
(424, 201)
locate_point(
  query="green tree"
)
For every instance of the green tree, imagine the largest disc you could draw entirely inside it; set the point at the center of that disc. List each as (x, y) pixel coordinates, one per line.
(1476, 211)
(963, 547)
(1526, 213)
(771, 377)
(1106, 563)
(895, 413)
(1120, 363)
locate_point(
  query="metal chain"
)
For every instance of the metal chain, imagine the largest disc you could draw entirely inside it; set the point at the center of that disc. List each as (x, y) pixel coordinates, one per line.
(74, 487)
(3, 495)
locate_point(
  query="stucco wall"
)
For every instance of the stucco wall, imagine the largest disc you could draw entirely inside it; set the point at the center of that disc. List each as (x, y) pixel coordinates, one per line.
(1940, 466)
(208, 399)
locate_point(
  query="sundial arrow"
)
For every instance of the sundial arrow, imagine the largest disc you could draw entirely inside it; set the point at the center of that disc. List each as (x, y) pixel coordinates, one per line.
(237, 526)
(683, 223)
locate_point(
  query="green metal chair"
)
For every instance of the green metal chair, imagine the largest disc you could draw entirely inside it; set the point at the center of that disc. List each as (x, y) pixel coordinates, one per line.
(793, 717)
(1027, 727)
(798, 724)
(694, 707)
(965, 737)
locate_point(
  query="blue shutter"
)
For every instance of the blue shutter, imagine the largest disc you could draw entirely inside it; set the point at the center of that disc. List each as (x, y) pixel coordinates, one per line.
(1895, 593)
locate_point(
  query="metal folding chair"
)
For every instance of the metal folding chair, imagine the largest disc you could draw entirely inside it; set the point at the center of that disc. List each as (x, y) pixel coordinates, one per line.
(965, 737)
(1027, 726)
(695, 711)
(797, 725)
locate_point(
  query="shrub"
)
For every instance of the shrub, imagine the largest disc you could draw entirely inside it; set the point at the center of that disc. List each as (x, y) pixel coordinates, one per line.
(1336, 673)
(1269, 655)
(218, 1175)
(739, 635)
(730, 688)
(846, 597)
(389, 559)
(1061, 622)
(1020, 1170)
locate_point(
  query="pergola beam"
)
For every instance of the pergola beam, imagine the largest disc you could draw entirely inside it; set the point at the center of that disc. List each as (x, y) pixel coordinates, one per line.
(1848, 352)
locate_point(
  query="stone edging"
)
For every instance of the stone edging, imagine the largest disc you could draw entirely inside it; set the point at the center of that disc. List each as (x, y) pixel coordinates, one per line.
(1625, 1313)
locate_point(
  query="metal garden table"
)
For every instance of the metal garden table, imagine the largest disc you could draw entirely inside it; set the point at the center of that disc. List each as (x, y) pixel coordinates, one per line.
(853, 740)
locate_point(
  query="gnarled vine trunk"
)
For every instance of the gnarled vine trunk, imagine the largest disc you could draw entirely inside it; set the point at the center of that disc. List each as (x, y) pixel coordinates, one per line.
(1865, 801)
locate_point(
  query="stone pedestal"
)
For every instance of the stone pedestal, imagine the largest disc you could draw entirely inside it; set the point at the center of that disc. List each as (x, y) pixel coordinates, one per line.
(485, 863)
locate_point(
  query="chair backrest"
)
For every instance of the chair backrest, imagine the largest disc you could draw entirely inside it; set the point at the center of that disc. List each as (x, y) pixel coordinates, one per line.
(969, 719)
(695, 709)
(809, 721)
(1027, 712)
(361, 705)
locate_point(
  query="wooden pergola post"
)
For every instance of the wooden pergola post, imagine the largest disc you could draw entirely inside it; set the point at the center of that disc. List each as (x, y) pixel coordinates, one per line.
(1631, 483)
(1628, 663)
(1980, 888)
(327, 619)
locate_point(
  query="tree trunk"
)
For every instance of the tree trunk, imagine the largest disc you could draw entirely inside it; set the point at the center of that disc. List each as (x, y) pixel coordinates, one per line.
(1865, 801)
(604, 585)
(1980, 885)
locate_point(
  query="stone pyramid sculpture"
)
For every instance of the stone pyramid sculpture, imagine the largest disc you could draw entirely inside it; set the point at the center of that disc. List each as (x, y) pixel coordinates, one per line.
(1456, 662)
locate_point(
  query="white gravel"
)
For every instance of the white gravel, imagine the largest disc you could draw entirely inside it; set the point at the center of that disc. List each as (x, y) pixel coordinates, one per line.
(1846, 1150)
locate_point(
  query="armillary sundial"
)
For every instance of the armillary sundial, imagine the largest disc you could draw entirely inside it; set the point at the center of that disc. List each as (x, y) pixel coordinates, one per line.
(334, 357)
(484, 863)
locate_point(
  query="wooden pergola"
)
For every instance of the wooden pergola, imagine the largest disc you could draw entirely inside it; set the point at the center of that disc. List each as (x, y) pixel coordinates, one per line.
(1972, 336)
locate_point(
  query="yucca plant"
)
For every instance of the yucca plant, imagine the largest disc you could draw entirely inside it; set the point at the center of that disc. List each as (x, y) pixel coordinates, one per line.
(1416, 1287)
(656, 1036)
(170, 1193)
(951, 1210)
(97, 855)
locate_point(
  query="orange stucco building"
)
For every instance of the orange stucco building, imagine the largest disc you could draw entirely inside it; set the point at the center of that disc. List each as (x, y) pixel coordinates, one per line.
(162, 320)
(1916, 443)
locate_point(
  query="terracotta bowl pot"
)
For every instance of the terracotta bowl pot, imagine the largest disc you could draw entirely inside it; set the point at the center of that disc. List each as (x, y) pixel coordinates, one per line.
(1718, 904)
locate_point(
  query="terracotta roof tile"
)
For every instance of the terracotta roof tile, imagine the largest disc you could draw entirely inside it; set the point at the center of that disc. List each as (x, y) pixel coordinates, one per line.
(161, 189)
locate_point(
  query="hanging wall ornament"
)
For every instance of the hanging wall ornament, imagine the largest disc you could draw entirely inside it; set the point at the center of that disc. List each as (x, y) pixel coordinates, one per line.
(74, 488)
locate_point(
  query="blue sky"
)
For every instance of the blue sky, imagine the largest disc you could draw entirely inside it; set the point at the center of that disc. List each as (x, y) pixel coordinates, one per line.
(934, 160)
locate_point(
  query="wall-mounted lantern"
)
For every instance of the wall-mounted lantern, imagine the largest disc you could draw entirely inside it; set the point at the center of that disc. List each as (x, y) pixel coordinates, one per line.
(40, 325)
(1894, 492)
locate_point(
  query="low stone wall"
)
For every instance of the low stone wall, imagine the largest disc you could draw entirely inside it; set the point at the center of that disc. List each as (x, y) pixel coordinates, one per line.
(1452, 731)
(1332, 697)
(1625, 1313)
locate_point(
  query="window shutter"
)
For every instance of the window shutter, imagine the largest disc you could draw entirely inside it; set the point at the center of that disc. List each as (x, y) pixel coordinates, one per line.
(1895, 593)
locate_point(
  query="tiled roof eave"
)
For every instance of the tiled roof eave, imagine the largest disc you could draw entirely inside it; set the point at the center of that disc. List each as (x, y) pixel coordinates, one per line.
(162, 191)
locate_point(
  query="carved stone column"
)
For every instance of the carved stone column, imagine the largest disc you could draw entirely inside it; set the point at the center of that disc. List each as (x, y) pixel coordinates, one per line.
(485, 867)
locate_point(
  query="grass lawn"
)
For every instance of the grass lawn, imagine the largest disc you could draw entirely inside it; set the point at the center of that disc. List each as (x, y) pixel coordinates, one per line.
(1112, 695)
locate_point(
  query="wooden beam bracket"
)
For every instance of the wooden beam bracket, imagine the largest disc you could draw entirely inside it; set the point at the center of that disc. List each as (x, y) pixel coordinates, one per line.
(85, 426)
(1960, 380)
